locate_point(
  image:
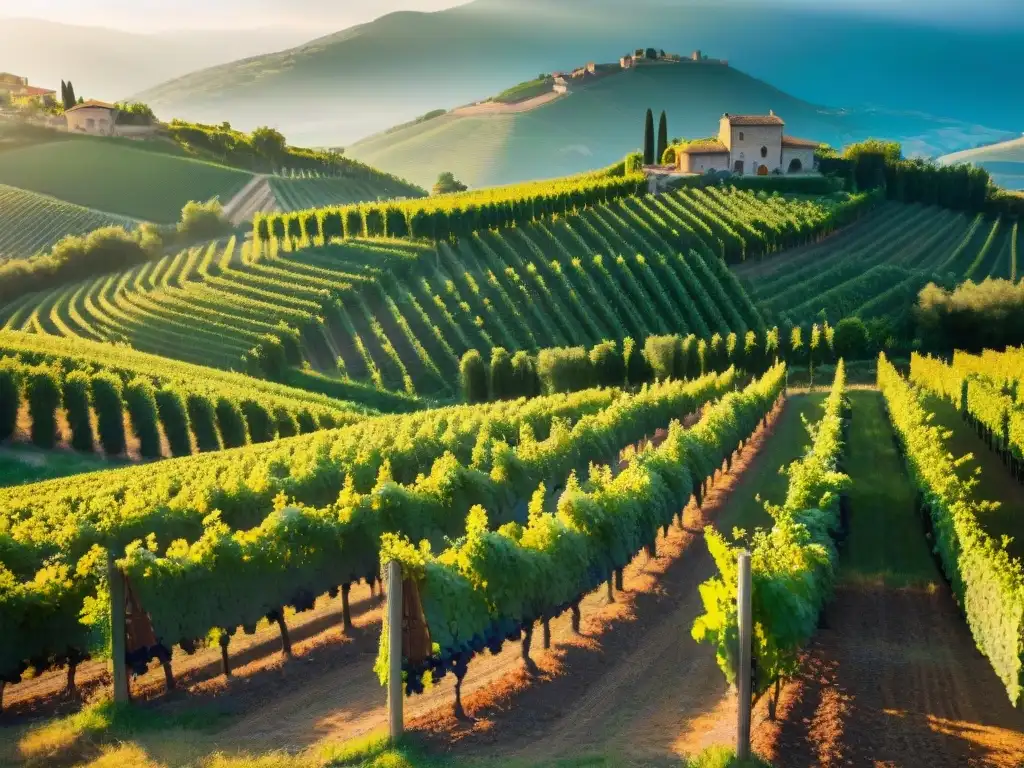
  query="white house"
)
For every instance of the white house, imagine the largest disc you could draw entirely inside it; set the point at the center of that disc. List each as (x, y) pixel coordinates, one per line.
(95, 117)
(749, 144)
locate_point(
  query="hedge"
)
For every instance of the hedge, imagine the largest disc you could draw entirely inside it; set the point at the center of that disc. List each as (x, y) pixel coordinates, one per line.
(231, 423)
(10, 396)
(262, 427)
(287, 424)
(473, 375)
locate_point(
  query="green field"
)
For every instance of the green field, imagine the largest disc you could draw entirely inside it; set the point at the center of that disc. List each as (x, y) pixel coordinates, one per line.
(30, 222)
(524, 91)
(295, 194)
(115, 178)
(876, 267)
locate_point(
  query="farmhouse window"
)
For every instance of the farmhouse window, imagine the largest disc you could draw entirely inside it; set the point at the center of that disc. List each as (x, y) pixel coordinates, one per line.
(764, 151)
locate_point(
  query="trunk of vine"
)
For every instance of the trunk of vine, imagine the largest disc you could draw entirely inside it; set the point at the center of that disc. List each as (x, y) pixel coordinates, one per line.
(773, 700)
(618, 580)
(547, 634)
(2, 686)
(460, 713)
(346, 613)
(652, 549)
(611, 594)
(69, 688)
(286, 643)
(225, 661)
(527, 641)
(576, 618)
(165, 662)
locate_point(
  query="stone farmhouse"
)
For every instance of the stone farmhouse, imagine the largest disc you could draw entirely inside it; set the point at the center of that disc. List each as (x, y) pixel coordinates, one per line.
(93, 117)
(749, 144)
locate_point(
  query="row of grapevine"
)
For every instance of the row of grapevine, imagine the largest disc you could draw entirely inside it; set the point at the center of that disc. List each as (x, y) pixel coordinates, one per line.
(494, 585)
(229, 578)
(793, 565)
(447, 217)
(987, 582)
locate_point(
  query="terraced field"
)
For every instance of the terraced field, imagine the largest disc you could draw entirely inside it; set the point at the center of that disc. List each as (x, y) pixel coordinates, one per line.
(876, 267)
(30, 222)
(399, 314)
(110, 176)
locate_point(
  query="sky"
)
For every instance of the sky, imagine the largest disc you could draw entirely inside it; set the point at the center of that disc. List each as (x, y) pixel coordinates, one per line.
(167, 15)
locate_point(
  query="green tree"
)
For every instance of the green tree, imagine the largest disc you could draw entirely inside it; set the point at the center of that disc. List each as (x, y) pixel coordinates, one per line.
(70, 100)
(662, 137)
(269, 142)
(850, 339)
(448, 184)
(649, 138)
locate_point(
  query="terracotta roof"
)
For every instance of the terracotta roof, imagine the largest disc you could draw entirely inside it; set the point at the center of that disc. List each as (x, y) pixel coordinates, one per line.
(31, 90)
(92, 103)
(704, 147)
(754, 119)
(794, 143)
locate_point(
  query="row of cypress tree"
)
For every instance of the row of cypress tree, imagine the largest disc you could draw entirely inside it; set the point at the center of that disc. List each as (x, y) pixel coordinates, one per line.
(654, 152)
(210, 423)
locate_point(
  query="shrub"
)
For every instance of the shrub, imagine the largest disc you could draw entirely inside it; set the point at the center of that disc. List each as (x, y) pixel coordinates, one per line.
(972, 317)
(203, 221)
(850, 339)
(287, 424)
(109, 404)
(203, 416)
(662, 354)
(231, 423)
(609, 367)
(353, 222)
(170, 406)
(724, 757)
(42, 390)
(524, 375)
(307, 422)
(473, 376)
(564, 370)
(140, 400)
(262, 427)
(10, 396)
(76, 406)
(269, 358)
(501, 385)
(689, 361)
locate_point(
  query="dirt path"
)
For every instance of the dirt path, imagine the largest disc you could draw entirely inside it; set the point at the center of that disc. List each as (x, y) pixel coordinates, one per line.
(893, 677)
(497, 108)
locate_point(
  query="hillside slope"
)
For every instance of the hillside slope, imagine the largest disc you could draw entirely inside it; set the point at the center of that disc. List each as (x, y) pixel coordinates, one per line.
(601, 122)
(1005, 161)
(404, 64)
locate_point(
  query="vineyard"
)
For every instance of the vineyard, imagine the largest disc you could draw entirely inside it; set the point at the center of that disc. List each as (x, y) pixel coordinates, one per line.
(118, 179)
(303, 190)
(171, 408)
(876, 268)
(317, 503)
(31, 223)
(398, 314)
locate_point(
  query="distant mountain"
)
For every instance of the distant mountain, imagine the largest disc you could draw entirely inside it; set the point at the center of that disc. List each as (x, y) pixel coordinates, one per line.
(341, 87)
(597, 124)
(110, 64)
(1005, 161)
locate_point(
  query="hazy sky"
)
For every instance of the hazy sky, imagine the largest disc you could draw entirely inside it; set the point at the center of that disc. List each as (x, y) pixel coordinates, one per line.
(159, 15)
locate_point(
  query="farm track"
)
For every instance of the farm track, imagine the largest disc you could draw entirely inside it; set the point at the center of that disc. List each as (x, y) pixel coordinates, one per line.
(894, 680)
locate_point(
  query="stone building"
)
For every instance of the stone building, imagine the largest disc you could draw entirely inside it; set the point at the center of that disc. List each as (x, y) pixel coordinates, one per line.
(749, 144)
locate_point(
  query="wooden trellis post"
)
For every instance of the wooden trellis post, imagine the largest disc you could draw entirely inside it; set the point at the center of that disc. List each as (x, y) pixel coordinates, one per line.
(393, 578)
(743, 673)
(119, 670)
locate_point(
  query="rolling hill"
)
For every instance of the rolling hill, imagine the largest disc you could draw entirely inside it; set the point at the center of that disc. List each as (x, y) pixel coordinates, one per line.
(402, 65)
(600, 122)
(1005, 161)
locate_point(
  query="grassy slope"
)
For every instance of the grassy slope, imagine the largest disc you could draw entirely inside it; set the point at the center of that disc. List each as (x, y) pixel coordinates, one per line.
(30, 222)
(996, 483)
(112, 177)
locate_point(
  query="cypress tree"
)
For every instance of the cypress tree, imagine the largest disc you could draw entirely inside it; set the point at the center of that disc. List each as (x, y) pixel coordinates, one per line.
(10, 396)
(109, 404)
(662, 137)
(76, 406)
(72, 100)
(649, 138)
(64, 94)
(170, 406)
(42, 390)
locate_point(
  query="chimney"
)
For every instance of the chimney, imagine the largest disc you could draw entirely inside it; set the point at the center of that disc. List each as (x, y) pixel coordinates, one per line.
(771, 113)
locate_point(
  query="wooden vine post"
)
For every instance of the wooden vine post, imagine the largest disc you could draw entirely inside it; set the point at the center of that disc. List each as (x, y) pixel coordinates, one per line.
(743, 673)
(118, 635)
(393, 577)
